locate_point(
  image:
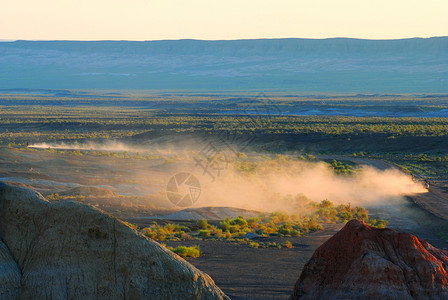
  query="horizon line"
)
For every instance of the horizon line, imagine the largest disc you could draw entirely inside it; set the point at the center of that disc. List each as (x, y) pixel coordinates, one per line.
(216, 40)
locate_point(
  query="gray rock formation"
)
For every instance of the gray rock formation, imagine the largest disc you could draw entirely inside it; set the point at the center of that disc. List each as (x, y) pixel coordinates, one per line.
(73, 251)
(9, 274)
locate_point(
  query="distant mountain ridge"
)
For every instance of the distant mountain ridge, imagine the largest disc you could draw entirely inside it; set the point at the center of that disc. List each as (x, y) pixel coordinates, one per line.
(308, 65)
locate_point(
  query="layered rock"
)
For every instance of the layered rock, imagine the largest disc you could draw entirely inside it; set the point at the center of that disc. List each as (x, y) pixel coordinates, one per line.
(362, 262)
(73, 251)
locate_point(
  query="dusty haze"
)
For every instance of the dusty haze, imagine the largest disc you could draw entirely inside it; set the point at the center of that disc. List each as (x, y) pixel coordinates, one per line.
(284, 183)
(303, 181)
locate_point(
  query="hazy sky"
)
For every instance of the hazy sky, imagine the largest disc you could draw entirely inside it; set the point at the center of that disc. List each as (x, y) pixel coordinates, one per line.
(226, 19)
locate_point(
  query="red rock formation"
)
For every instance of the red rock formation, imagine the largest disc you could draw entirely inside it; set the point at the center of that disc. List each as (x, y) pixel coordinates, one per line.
(363, 262)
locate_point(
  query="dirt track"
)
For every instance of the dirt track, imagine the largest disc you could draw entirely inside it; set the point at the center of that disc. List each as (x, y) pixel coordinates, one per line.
(435, 201)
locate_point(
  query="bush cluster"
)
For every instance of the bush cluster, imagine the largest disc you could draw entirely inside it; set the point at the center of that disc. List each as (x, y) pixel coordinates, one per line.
(280, 224)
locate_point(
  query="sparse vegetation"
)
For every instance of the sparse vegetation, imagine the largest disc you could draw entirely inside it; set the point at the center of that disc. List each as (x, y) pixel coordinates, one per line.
(89, 120)
(276, 224)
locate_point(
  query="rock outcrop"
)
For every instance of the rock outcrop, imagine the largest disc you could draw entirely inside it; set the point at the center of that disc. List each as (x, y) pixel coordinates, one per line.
(362, 262)
(73, 251)
(9, 274)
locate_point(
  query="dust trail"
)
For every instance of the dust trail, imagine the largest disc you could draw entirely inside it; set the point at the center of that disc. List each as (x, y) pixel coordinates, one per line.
(106, 146)
(290, 190)
(110, 146)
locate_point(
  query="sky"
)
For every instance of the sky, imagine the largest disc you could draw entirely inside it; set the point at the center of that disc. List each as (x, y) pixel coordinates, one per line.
(220, 20)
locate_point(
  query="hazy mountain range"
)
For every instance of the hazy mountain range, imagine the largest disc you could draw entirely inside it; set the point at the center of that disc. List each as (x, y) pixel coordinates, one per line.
(302, 65)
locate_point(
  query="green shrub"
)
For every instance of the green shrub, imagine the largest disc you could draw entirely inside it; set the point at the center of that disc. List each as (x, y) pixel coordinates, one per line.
(147, 231)
(378, 223)
(254, 245)
(133, 226)
(261, 231)
(239, 221)
(224, 225)
(287, 244)
(204, 233)
(346, 216)
(185, 252)
(203, 224)
(285, 229)
(295, 232)
(218, 233)
(228, 235)
(252, 223)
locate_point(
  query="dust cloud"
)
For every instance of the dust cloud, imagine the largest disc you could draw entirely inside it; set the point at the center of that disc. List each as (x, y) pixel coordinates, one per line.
(274, 184)
(302, 182)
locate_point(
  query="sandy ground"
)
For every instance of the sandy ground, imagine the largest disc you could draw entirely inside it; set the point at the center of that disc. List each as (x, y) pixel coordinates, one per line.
(257, 273)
